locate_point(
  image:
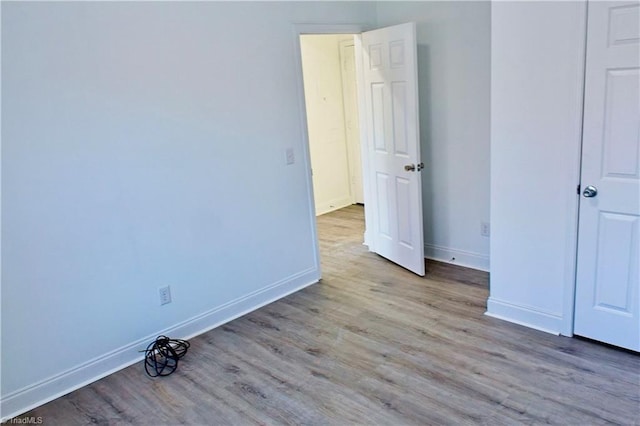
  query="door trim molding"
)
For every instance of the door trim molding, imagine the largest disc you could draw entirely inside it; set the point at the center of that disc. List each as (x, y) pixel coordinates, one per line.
(352, 152)
(573, 205)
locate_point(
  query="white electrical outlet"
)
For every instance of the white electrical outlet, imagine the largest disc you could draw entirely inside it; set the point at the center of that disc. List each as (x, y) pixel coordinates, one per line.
(165, 295)
(485, 230)
(290, 155)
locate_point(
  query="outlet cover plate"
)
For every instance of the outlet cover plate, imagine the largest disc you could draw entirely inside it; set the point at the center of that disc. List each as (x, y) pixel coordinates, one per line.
(165, 295)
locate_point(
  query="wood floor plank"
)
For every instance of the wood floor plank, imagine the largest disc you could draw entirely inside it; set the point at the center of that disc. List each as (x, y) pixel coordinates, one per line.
(371, 343)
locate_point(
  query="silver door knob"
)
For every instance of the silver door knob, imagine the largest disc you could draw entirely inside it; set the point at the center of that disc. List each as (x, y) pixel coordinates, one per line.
(590, 192)
(410, 167)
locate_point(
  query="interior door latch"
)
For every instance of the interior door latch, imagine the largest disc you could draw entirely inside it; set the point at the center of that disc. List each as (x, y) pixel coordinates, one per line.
(412, 167)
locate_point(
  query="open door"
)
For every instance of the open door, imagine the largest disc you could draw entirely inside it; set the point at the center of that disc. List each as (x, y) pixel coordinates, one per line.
(389, 88)
(607, 304)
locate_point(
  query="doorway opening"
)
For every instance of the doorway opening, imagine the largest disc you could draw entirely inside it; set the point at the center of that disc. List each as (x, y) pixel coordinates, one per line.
(331, 105)
(387, 74)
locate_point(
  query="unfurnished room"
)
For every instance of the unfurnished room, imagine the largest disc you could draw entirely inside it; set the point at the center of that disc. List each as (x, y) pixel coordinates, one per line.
(320, 212)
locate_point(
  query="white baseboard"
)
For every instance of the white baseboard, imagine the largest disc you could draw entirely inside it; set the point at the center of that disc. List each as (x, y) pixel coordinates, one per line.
(524, 315)
(333, 205)
(457, 257)
(37, 394)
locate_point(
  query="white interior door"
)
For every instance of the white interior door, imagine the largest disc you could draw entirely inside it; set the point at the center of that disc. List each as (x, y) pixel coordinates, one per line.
(607, 285)
(389, 84)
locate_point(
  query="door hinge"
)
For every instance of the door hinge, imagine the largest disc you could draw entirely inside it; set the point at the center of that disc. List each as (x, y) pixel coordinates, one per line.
(578, 189)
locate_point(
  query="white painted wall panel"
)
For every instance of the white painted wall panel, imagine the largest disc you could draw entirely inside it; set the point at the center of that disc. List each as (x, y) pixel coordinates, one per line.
(537, 63)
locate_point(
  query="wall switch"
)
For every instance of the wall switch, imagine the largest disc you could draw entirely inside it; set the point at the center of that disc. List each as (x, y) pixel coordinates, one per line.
(165, 295)
(291, 158)
(485, 230)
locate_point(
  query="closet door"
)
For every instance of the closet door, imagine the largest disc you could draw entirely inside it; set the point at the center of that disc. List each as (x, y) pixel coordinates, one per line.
(608, 285)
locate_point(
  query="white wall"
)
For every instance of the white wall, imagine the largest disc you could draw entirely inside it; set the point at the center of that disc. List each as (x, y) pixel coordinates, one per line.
(537, 60)
(143, 144)
(454, 77)
(326, 121)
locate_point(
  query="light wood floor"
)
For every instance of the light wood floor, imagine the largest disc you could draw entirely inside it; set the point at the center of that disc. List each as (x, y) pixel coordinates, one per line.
(371, 344)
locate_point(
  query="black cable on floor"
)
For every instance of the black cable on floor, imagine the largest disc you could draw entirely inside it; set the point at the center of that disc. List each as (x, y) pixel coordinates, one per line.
(161, 357)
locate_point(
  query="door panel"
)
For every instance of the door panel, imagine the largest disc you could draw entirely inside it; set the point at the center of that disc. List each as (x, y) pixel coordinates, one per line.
(616, 262)
(607, 283)
(405, 233)
(377, 99)
(620, 150)
(399, 97)
(389, 71)
(382, 185)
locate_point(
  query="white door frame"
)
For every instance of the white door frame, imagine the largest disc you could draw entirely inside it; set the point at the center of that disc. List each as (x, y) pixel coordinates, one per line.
(298, 30)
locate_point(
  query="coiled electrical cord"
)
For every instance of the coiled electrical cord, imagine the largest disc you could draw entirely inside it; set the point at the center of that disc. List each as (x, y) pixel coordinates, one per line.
(161, 357)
